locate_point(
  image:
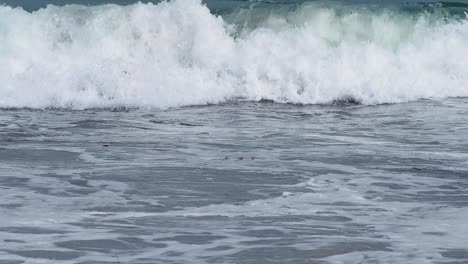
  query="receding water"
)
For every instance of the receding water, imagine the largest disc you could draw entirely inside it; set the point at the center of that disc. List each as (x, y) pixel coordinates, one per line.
(243, 182)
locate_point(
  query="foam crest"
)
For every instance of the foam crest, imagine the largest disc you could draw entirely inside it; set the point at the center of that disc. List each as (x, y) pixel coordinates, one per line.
(178, 53)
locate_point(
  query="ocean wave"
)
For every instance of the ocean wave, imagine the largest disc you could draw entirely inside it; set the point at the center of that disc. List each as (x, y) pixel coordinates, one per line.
(178, 53)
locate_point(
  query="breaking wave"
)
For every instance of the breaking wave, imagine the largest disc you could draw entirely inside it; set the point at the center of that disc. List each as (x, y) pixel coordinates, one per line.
(178, 53)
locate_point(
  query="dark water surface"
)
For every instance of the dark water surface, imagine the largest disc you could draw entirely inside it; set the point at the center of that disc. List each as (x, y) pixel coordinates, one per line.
(222, 6)
(236, 183)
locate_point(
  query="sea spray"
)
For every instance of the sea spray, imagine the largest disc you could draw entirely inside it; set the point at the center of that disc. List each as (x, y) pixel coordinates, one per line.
(178, 53)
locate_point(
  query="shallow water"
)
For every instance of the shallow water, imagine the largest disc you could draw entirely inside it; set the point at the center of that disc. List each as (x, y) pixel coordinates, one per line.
(236, 183)
(171, 132)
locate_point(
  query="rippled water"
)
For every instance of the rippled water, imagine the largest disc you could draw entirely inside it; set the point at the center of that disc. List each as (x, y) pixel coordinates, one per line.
(236, 183)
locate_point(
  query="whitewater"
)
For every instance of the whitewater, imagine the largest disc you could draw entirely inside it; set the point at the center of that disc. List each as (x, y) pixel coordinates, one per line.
(233, 132)
(179, 53)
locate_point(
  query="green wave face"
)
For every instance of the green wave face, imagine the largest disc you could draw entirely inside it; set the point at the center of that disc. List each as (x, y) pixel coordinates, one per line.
(335, 22)
(227, 6)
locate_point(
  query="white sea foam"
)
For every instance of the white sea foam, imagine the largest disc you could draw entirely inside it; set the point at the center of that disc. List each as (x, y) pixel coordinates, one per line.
(178, 53)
